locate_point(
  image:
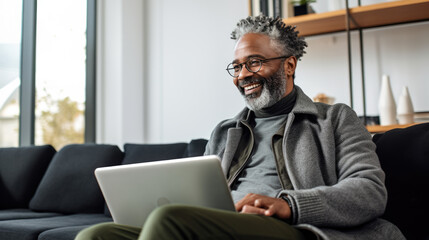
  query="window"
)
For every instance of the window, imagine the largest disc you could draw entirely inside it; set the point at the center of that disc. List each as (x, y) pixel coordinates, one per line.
(10, 51)
(60, 72)
(56, 76)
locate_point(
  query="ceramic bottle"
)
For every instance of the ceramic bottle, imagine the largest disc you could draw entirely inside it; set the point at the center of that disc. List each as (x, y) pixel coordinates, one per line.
(405, 107)
(386, 103)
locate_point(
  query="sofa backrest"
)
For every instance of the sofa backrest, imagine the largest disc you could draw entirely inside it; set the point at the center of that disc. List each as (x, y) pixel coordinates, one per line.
(69, 185)
(404, 157)
(137, 153)
(41, 179)
(21, 169)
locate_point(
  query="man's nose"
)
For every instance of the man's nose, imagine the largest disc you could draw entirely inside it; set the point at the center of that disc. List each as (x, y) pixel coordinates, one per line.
(244, 73)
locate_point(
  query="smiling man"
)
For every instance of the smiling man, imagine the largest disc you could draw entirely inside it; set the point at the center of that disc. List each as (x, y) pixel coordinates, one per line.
(261, 87)
(296, 169)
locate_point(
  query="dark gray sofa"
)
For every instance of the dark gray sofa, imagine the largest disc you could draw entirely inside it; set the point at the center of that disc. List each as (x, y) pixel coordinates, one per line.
(404, 157)
(49, 195)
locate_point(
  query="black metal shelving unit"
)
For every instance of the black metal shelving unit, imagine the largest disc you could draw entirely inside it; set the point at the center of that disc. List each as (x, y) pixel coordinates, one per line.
(358, 19)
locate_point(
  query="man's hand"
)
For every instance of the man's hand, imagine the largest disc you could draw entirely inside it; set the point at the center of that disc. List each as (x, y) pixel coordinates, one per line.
(264, 205)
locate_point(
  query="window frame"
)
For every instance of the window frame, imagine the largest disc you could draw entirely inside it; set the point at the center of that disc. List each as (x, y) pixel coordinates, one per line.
(28, 80)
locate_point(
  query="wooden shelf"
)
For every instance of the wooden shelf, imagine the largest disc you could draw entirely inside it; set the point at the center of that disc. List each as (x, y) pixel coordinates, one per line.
(375, 15)
(382, 129)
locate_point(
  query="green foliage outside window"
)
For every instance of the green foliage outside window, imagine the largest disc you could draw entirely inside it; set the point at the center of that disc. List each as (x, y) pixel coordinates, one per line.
(60, 123)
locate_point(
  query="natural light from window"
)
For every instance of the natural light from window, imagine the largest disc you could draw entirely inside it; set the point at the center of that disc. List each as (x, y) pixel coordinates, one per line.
(60, 72)
(10, 51)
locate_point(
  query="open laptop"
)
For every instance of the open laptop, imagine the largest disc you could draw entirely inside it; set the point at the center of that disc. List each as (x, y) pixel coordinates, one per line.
(132, 191)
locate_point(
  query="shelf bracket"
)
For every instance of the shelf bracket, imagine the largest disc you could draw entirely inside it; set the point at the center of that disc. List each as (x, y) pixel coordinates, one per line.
(349, 18)
(349, 51)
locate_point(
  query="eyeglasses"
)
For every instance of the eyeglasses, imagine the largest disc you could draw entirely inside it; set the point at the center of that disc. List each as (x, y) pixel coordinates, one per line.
(253, 65)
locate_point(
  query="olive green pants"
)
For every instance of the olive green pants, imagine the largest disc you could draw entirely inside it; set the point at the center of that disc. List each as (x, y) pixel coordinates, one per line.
(185, 222)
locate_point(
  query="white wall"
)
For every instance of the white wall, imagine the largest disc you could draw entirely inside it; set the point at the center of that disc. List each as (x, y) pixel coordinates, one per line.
(120, 71)
(172, 85)
(188, 91)
(402, 52)
(161, 74)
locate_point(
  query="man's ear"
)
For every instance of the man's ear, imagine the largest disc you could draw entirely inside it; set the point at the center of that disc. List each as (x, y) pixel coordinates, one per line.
(290, 65)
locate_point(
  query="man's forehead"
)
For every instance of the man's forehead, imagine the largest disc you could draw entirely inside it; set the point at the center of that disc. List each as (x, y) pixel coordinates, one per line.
(253, 40)
(253, 44)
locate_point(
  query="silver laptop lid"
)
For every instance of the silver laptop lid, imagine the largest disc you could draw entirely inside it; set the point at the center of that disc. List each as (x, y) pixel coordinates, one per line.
(132, 191)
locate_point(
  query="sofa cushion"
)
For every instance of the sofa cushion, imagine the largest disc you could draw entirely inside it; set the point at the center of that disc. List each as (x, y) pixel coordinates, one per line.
(137, 153)
(196, 147)
(64, 233)
(30, 229)
(23, 213)
(21, 170)
(404, 157)
(69, 185)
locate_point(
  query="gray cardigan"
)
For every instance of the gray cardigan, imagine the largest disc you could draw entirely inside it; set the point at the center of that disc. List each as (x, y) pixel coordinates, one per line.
(338, 184)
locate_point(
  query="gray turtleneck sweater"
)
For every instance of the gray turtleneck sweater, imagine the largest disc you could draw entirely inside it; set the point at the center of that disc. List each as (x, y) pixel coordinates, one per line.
(260, 175)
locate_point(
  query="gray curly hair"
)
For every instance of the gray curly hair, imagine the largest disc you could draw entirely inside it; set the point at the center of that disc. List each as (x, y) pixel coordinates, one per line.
(286, 39)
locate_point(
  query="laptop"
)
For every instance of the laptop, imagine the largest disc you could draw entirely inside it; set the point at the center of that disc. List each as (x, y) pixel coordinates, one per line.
(132, 191)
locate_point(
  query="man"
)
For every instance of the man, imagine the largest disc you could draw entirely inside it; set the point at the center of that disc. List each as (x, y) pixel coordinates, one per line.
(297, 169)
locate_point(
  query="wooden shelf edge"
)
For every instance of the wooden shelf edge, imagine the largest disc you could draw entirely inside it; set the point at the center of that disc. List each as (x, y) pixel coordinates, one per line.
(375, 15)
(385, 128)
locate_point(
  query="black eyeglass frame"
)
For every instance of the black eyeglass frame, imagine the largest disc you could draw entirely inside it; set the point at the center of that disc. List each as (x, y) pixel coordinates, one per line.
(261, 61)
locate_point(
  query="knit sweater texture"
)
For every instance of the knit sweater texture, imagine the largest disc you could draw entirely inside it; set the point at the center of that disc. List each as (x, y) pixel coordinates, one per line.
(338, 185)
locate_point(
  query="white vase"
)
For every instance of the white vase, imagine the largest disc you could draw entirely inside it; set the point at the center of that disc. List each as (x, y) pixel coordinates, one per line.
(335, 5)
(386, 103)
(405, 108)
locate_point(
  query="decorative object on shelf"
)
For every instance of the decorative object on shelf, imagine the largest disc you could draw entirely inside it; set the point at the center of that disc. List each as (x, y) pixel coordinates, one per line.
(323, 98)
(420, 117)
(270, 8)
(364, 17)
(405, 108)
(287, 9)
(334, 5)
(369, 16)
(386, 103)
(370, 120)
(302, 7)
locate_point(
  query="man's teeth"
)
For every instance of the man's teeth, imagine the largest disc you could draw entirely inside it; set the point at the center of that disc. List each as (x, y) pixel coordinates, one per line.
(250, 87)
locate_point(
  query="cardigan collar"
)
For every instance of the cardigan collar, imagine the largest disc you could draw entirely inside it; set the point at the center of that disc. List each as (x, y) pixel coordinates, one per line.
(303, 105)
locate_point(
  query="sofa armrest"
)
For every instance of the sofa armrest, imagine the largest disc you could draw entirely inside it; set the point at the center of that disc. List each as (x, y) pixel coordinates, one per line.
(21, 170)
(404, 157)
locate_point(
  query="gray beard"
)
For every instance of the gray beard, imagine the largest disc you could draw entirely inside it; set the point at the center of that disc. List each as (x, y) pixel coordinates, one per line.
(273, 89)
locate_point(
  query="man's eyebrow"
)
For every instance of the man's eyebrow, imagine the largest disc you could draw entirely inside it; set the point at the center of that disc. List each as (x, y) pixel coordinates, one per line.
(249, 57)
(256, 56)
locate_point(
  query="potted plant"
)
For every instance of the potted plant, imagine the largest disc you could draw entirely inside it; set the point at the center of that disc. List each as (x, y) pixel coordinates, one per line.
(301, 7)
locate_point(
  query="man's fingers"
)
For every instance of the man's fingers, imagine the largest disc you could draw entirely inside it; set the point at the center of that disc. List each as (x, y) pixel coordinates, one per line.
(239, 205)
(252, 210)
(272, 207)
(265, 202)
(272, 210)
(259, 203)
(249, 199)
(280, 209)
(263, 205)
